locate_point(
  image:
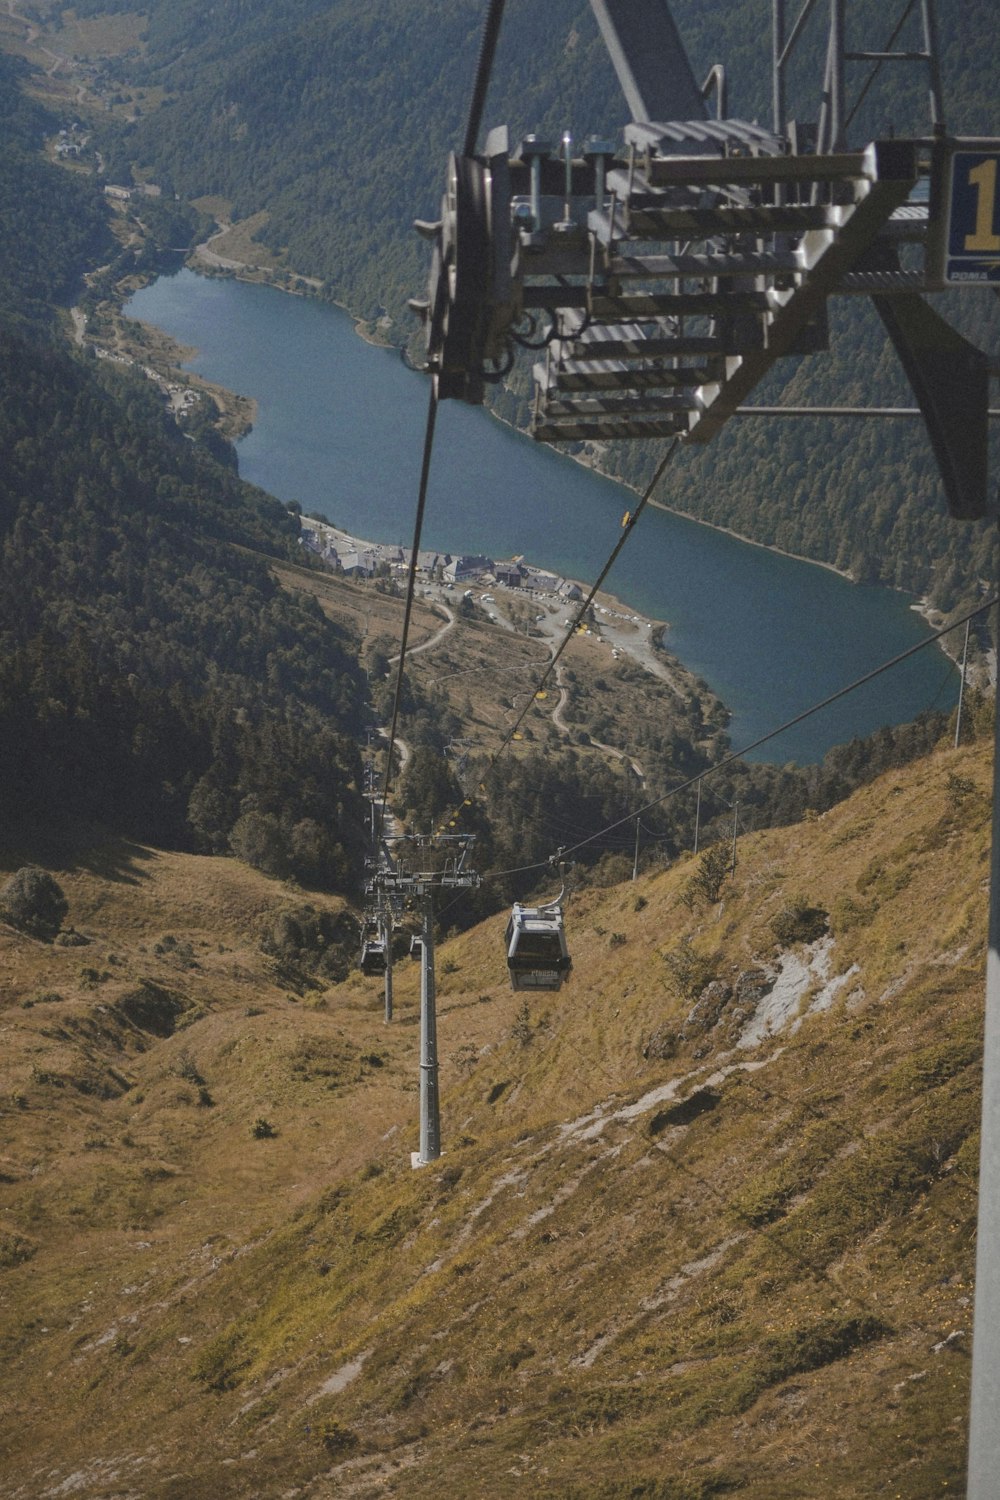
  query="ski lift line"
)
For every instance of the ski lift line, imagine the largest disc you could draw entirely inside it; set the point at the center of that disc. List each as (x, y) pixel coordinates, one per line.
(628, 526)
(873, 74)
(772, 734)
(484, 67)
(840, 411)
(411, 584)
(736, 755)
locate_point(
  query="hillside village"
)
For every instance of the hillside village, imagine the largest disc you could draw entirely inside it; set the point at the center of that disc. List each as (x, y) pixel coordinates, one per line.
(360, 559)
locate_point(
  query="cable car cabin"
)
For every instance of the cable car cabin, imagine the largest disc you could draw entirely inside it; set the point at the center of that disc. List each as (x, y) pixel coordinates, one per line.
(373, 956)
(537, 957)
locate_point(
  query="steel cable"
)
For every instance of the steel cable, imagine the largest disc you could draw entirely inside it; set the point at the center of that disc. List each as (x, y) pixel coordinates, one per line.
(736, 755)
(425, 469)
(487, 52)
(628, 526)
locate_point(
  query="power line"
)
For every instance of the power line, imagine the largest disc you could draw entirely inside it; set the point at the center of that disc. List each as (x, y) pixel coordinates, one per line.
(737, 755)
(411, 583)
(807, 713)
(629, 521)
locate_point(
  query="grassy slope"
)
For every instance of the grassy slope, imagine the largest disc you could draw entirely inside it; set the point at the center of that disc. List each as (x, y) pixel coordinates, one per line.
(650, 1262)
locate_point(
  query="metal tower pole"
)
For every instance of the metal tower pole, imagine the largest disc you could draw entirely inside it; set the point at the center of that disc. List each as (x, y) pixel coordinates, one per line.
(387, 939)
(984, 1429)
(395, 880)
(837, 103)
(697, 818)
(934, 67)
(961, 686)
(778, 65)
(430, 1119)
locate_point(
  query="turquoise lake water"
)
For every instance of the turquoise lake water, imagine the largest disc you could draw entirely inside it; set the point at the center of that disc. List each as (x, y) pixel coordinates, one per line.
(340, 428)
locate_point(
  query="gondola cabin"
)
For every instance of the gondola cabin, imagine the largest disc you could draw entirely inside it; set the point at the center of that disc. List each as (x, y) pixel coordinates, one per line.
(537, 957)
(373, 956)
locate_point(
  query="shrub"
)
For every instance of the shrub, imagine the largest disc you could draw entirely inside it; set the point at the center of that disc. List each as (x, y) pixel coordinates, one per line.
(306, 941)
(336, 1438)
(14, 1251)
(221, 1362)
(959, 788)
(521, 1029)
(709, 878)
(799, 922)
(262, 1130)
(689, 971)
(33, 901)
(258, 840)
(152, 1008)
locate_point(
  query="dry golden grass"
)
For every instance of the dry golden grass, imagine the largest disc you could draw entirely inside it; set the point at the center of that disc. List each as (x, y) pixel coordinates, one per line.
(358, 606)
(239, 243)
(215, 206)
(484, 671)
(87, 37)
(651, 1261)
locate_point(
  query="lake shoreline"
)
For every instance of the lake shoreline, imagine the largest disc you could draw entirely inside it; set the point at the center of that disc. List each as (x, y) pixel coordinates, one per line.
(686, 515)
(363, 328)
(769, 637)
(365, 331)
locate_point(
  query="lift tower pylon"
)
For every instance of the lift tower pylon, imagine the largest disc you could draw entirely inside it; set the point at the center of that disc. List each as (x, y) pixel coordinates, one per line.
(418, 866)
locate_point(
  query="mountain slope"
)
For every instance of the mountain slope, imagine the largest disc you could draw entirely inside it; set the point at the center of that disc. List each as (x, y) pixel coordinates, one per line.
(703, 1224)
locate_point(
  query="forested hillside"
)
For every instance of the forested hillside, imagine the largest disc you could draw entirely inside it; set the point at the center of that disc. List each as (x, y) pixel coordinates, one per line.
(338, 120)
(52, 222)
(153, 675)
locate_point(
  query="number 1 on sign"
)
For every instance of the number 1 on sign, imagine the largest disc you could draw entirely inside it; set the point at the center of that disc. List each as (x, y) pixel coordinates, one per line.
(984, 179)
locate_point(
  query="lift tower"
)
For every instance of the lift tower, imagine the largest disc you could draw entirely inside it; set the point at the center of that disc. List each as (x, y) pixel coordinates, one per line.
(660, 280)
(417, 867)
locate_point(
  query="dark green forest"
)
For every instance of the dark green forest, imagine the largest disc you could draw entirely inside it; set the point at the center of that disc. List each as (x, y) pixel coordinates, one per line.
(52, 222)
(153, 676)
(338, 119)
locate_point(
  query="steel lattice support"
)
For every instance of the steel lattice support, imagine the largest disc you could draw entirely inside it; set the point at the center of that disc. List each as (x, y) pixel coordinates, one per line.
(661, 283)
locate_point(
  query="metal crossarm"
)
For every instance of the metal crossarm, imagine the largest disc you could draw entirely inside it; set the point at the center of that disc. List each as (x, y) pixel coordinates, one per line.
(682, 268)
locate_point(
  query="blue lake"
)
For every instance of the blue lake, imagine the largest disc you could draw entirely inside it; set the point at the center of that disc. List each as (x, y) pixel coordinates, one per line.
(340, 428)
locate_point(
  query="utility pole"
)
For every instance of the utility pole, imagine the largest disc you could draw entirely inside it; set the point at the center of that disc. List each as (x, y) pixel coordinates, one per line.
(697, 817)
(430, 1116)
(417, 866)
(387, 939)
(961, 686)
(635, 862)
(736, 815)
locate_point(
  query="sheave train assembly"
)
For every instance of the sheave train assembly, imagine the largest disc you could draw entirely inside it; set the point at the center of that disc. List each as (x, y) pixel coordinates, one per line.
(660, 283)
